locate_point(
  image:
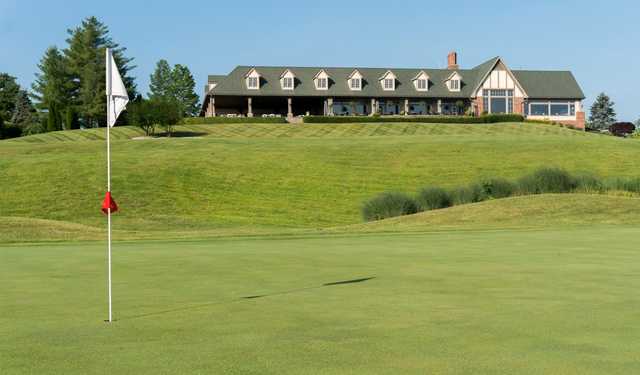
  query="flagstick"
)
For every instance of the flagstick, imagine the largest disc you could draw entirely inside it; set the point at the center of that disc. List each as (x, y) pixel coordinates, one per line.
(109, 183)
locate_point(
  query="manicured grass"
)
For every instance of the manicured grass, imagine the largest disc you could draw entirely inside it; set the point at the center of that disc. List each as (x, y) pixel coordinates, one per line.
(258, 178)
(502, 302)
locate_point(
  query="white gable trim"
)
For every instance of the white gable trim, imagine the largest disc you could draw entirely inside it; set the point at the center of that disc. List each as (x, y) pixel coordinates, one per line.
(478, 90)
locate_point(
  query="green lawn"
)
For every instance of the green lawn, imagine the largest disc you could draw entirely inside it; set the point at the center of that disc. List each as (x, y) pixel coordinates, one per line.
(559, 301)
(265, 178)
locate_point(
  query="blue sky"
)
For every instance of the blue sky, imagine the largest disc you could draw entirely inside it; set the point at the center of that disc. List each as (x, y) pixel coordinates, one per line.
(597, 40)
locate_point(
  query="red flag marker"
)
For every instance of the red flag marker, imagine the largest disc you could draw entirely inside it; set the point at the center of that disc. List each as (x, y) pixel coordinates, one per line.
(108, 202)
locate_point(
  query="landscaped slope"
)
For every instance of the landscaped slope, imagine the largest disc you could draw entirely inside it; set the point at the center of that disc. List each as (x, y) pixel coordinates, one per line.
(266, 182)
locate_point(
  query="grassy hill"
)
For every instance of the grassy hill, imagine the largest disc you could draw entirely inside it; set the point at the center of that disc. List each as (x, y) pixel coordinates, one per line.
(264, 178)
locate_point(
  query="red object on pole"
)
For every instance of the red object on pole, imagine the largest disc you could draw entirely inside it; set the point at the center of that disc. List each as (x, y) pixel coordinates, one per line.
(108, 202)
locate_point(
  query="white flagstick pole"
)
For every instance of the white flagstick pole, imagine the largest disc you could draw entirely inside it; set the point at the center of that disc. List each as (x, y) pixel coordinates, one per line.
(109, 180)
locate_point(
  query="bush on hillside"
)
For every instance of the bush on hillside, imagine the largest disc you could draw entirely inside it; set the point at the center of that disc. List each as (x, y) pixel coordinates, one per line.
(498, 187)
(547, 180)
(468, 194)
(484, 119)
(233, 120)
(433, 198)
(622, 129)
(389, 204)
(588, 183)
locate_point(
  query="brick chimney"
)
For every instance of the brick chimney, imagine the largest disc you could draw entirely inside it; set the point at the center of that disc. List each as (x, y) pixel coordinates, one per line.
(452, 61)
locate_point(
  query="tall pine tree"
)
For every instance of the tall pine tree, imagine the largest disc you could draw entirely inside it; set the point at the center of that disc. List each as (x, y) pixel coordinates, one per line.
(160, 81)
(602, 113)
(54, 85)
(183, 90)
(86, 60)
(9, 89)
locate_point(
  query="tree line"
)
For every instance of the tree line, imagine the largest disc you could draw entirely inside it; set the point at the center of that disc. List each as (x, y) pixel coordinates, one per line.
(69, 88)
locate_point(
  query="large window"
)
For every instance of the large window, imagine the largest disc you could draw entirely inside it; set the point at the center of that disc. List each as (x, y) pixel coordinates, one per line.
(551, 108)
(497, 101)
(388, 83)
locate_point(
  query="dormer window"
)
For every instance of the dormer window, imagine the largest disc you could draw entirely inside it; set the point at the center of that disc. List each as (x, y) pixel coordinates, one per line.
(454, 82)
(355, 80)
(421, 81)
(252, 79)
(287, 80)
(388, 81)
(321, 80)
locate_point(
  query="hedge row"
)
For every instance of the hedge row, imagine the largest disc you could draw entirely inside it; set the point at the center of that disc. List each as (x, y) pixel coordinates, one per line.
(233, 120)
(484, 119)
(544, 180)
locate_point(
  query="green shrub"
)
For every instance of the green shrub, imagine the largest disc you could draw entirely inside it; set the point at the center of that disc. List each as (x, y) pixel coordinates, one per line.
(433, 198)
(467, 194)
(623, 184)
(589, 183)
(233, 120)
(547, 180)
(389, 204)
(498, 187)
(485, 119)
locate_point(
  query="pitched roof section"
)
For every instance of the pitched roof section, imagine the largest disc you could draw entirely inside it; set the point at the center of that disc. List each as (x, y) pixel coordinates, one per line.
(549, 84)
(537, 84)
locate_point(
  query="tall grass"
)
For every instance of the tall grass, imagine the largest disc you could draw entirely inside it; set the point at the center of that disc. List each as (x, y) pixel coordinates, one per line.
(541, 181)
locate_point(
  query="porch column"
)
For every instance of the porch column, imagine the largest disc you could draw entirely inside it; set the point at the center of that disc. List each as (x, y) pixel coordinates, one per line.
(212, 106)
(374, 107)
(439, 106)
(330, 106)
(249, 108)
(289, 111)
(406, 107)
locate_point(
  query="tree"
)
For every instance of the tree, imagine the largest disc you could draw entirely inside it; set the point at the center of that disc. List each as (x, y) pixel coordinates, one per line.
(71, 119)
(86, 61)
(23, 112)
(54, 121)
(160, 81)
(602, 113)
(139, 113)
(54, 84)
(166, 113)
(183, 90)
(9, 89)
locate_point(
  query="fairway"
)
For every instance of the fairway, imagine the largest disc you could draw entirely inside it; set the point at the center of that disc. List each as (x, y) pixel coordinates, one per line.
(559, 301)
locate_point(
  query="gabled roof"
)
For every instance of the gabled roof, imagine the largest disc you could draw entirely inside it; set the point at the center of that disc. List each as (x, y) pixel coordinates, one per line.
(385, 75)
(420, 73)
(488, 67)
(542, 84)
(251, 71)
(285, 73)
(537, 84)
(353, 73)
(320, 72)
(455, 73)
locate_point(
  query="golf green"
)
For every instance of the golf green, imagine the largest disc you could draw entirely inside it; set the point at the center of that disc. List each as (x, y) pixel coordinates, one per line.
(559, 301)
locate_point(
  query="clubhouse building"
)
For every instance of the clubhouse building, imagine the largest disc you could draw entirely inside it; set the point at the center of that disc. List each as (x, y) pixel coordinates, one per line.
(490, 87)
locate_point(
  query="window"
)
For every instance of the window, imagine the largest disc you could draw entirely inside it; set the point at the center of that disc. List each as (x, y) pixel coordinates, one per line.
(455, 84)
(355, 83)
(388, 83)
(252, 82)
(287, 83)
(422, 84)
(539, 109)
(559, 109)
(497, 101)
(322, 83)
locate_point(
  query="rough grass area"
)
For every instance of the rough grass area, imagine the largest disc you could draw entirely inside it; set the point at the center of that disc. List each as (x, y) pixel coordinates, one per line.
(272, 182)
(509, 302)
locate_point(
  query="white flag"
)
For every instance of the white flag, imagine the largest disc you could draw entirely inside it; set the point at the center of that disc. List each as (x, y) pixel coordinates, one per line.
(117, 97)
